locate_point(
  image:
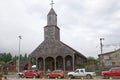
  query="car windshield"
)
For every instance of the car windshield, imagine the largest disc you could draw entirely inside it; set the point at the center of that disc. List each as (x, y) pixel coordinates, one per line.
(57, 71)
(110, 69)
(76, 70)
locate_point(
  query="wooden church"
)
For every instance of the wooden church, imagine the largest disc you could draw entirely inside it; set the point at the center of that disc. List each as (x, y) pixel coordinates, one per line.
(52, 53)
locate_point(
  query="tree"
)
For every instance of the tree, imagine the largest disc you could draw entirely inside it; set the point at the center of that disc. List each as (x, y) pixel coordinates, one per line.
(15, 58)
(22, 58)
(25, 57)
(9, 57)
(6, 57)
(91, 60)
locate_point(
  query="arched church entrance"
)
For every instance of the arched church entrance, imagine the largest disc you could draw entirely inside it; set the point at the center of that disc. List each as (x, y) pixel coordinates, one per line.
(59, 62)
(49, 63)
(33, 61)
(68, 63)
(40, 63)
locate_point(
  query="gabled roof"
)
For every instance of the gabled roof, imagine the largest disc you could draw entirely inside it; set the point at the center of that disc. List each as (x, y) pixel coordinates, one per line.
(74, 50)
(23, 63)
(54, 47)
(108, 53)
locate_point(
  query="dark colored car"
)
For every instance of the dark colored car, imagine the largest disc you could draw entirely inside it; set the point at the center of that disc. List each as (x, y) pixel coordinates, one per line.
(112, 72)
(55, 74)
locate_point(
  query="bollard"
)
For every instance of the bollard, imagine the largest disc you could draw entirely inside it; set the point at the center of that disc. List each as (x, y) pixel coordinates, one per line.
(43, 78)
(94, 78)
(69, 78)
(24, 78)
(56, 78)
(34, 78)
(82, 78)
(110, 78)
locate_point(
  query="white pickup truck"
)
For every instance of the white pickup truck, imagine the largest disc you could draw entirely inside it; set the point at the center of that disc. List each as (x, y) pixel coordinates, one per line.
(81, 73)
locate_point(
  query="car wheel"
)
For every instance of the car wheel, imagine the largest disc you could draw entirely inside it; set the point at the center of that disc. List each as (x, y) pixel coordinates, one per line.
(59, 77)
(34, 76)
(88, 76)
(22, 76)
(18, 76)
(48, 77)
(106, 76)
(71, 76)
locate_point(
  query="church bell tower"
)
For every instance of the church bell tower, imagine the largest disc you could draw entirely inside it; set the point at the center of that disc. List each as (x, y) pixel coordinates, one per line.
(51, 31)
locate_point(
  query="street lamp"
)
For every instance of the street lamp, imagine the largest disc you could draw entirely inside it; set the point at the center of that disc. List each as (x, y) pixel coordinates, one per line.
(20, 37)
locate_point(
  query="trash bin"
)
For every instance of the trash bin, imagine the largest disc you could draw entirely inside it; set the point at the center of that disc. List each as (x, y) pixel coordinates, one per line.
(0, 76)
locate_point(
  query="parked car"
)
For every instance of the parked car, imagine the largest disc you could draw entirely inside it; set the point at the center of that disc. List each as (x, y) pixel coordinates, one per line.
(30, 73)
(19, 75)
(110, 73)
(81, 73)
(55, 74)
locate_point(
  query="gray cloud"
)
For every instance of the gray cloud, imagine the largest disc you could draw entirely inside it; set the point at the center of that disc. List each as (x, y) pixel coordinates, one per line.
(82, 23)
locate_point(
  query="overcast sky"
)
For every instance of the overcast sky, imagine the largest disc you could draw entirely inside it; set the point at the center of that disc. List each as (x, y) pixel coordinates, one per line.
(82, 23)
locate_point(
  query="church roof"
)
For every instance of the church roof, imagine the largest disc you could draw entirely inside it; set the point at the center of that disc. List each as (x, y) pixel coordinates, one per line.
(52, 12)
(52, 48)
(76, 52)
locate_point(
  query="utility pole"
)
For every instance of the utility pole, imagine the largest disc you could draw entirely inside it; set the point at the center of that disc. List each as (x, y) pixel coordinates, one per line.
(20, 37)
(101, 45)
(101, 49)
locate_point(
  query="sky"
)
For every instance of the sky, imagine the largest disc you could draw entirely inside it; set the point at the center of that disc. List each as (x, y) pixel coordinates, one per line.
(82, 23)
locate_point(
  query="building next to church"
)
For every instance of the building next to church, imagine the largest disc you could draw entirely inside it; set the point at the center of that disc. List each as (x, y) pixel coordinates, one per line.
(110, 59)
(52, 53)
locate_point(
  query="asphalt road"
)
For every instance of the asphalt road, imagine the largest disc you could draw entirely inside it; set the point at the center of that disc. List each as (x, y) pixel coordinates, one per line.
(14, 77)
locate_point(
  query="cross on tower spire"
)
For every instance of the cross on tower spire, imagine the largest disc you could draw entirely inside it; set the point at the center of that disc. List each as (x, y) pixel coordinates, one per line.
(51, 3)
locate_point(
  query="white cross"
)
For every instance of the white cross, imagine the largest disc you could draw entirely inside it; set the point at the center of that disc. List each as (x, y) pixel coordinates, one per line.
(51, 3)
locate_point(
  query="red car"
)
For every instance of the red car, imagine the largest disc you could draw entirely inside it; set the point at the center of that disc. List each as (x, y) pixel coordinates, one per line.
(32, 73)
(112, 72)
(57, 73)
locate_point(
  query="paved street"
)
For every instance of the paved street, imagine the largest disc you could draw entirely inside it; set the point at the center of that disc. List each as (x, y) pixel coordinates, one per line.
(13, 77)
(56, 79)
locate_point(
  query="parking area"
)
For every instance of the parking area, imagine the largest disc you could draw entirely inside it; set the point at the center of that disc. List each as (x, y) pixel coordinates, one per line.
(57, 79)
(13, 77)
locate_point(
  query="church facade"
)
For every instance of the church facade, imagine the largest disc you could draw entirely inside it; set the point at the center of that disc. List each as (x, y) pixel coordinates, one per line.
(52, 53)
